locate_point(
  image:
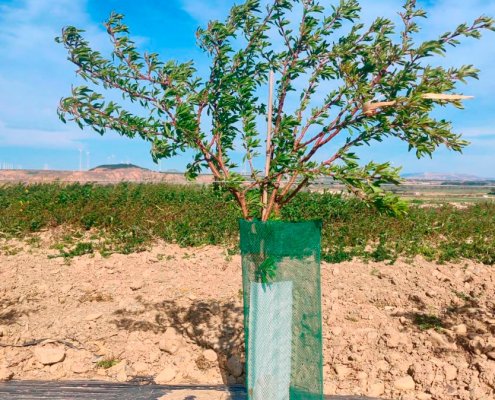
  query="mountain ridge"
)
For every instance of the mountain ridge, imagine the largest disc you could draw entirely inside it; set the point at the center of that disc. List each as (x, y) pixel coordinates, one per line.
(439, 176)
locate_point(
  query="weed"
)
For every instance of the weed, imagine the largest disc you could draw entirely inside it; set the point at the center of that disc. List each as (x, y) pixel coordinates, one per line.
(337, 256)
(428, 321)
(463, 296)
(33, 241)
(383, 251)
(351, 318)
(232, 251)
(10, 250)
(79, 249)
(97, 297)
(106, 364)
(126, 218)
(376, 272)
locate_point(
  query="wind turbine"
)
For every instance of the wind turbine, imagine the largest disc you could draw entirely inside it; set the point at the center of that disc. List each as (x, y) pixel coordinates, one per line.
(80, 158)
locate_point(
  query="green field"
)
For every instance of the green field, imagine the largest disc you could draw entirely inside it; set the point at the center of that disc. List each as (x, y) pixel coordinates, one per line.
(128, 217)
(431, 192)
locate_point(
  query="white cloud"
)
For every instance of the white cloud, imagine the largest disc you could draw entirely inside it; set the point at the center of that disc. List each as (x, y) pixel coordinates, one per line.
(34, 72)
(28, 28)
(204, 11)
(478, 132)
(40, 138)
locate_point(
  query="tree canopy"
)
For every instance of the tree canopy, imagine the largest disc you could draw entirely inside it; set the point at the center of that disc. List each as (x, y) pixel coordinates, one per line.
(333, 75)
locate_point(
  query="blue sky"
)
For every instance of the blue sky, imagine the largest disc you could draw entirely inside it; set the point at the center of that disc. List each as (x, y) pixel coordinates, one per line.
(34, 75)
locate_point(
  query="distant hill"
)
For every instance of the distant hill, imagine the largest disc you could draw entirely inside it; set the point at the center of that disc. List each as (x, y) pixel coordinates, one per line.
(432, 176)
(118, 166)
(110, 173)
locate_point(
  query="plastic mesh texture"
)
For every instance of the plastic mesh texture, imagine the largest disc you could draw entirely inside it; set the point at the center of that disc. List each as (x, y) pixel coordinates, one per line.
(282, 309)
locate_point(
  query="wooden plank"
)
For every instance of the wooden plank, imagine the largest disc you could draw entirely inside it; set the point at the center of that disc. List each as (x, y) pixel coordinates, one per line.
(93, 390)
(33, 390)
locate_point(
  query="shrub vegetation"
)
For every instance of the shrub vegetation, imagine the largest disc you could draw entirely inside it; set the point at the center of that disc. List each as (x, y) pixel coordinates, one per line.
(127, 217)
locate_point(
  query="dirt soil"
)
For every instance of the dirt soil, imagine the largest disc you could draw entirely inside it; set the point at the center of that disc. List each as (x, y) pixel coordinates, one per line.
(412, 330)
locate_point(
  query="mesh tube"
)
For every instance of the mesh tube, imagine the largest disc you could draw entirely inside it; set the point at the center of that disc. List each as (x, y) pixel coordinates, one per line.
(282, 309)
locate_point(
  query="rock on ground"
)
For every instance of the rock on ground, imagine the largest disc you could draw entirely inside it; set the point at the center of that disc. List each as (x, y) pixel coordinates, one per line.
(49, 354)
(166, 375)
(170, 341)
(404, 383)
(5, 374)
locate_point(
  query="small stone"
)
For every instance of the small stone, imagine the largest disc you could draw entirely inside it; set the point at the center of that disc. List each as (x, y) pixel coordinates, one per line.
(336, 330)
(372, 335)
(451, 390)
(79, 367)
(166, 375)
(140, 367)
(460, 329)
(171, 341)
(49, 354)
(491, 355)
(393, 341)
(119, 366)
(136, 285)
(382, 365)
(342, 371)
(66, 288)
(404, 383)
(450, 372)
(210, 355)
(93, 317)
(56, 370)
(423, 396)
(122, 375)
(5, 374)
(234, 366)
(154, 356)
(361, 376)
(442, 341)
(376, 389)
(477, 393)
(477, 344)
(105, 352)
(3, 330)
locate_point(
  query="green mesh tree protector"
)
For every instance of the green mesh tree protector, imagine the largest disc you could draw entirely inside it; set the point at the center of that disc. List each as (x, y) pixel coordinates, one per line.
(282, 309)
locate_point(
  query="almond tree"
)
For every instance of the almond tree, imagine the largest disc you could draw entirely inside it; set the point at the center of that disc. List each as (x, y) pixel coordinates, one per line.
(339, 85)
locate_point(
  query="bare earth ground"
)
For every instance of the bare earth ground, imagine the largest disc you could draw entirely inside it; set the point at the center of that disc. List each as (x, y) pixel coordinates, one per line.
(174, 316)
